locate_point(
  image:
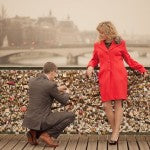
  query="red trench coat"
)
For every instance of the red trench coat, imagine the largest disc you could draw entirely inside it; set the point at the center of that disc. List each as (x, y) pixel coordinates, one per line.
(113, 75)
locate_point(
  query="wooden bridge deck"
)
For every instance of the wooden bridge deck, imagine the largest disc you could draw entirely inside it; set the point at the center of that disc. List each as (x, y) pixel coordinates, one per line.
(78, 142)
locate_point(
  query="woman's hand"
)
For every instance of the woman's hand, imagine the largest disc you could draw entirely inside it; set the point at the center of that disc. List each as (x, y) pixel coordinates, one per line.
(146, 74)
(90, 71)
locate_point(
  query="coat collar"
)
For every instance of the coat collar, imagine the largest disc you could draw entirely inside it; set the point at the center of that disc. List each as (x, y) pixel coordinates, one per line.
(112, 46)
(42, 75)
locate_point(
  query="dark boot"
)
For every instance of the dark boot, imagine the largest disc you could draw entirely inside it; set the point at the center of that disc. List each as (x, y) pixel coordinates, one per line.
(31, 135)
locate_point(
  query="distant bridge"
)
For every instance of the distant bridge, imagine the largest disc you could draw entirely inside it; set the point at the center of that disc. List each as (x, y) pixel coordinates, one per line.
(71, 54)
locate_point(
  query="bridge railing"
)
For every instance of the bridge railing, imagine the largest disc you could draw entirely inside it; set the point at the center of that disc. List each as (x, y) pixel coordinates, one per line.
(84, 100)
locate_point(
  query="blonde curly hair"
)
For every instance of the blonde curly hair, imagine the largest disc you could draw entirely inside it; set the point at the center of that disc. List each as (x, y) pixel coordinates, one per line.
(107, 31)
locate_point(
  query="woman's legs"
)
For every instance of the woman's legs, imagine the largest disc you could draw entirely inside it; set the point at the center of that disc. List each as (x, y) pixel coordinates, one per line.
(114, 117)
(118, 119)
(110, 114)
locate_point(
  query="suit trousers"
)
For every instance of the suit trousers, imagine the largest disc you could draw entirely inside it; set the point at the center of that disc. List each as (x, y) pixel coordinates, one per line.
(55, 123)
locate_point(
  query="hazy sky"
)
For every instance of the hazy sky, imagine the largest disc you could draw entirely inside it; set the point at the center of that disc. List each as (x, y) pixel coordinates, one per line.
(132, 16)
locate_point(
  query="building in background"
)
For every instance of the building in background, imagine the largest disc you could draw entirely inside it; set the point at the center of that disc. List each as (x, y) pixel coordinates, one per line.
(68, 33)
(44, 32)
(48, 31)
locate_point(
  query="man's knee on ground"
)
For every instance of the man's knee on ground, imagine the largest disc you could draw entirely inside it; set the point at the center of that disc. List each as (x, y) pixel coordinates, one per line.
(71, 116)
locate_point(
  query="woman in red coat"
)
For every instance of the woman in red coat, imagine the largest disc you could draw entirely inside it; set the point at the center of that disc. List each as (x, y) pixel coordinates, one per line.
(109, 52)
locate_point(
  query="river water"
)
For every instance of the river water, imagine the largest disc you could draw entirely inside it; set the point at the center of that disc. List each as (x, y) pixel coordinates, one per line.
(38, 59)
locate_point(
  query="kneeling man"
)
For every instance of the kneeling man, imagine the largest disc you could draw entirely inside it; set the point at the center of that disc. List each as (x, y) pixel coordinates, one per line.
(39, 118)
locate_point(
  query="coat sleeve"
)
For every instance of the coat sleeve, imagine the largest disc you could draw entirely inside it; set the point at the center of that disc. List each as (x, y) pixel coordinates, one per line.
(95, 60)
(131, 62)
(60, 97)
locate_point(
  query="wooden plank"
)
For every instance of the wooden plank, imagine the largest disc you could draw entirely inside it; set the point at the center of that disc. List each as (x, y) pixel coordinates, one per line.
(102, 142)
(82, 144)
(102, 145)
(148, 144)
(5, 140)
(148, 139)
(140, 137)
(122, 137)
(2, 136)
(143, 145)
(29, 147)
(92, 142)
(103, 137)
(40, 145)
(48, 148)
(131, 138)
(63, 141)
(122, 145)
(13, 142)
(132, 142)
(21, 144)
(72, 142)
(76, 142)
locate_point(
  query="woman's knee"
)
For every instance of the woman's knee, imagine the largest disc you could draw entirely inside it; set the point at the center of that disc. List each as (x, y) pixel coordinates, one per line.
(118, 103)
(107, 106)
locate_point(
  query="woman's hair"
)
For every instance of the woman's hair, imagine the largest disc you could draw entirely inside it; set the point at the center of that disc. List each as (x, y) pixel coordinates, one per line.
(107, 31)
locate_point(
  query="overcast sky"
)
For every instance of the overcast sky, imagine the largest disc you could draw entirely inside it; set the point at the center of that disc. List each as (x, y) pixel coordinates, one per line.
(130, 16)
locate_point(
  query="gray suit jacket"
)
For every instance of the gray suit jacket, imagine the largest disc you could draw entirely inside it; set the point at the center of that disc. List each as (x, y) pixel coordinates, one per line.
(41, 96)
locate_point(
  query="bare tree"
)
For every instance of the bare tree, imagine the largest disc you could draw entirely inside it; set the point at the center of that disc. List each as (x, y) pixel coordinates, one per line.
(3, 12)
(3, 23)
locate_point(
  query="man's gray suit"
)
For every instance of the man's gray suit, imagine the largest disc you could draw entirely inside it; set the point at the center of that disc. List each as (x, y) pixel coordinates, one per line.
(39, 116)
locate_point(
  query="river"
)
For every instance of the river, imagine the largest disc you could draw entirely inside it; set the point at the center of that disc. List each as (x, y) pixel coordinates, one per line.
(39, 57)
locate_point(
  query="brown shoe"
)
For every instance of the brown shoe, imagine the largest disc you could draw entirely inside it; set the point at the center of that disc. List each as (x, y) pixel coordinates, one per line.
(55, 140)
(31, 135)
(48, 140)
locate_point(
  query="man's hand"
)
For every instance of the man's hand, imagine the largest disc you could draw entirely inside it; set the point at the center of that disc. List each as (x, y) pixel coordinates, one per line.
(62, 88)
(67, 91)
(90, 71)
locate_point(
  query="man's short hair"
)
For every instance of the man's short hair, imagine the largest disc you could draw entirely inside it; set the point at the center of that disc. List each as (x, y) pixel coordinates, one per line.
(49, 67)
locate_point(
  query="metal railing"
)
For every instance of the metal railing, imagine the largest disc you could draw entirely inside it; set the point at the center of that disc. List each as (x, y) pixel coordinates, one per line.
(59, 68)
